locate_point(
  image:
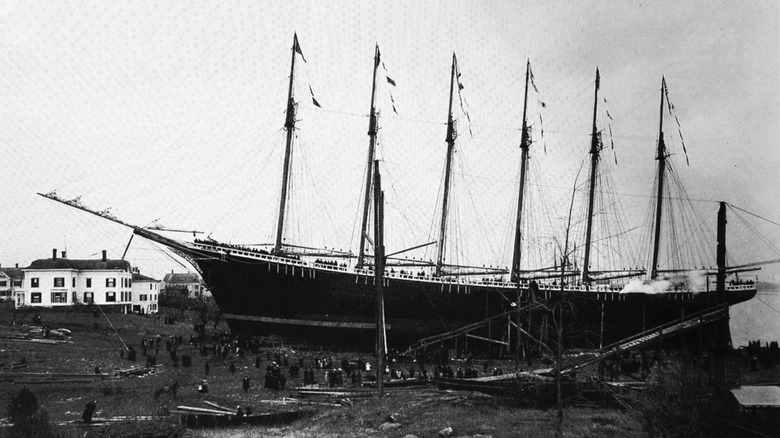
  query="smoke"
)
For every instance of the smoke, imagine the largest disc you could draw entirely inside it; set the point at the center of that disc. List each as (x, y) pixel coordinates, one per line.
(638, 286)
(694, 281)
(698, 280)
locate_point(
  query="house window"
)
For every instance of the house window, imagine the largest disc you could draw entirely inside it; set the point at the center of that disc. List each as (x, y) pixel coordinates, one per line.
(59, 281)
(74, 281)
(142, 297)
(110, 297)
(89, 297)
(110, 282)
(59, 297)
(89, 282)
(35, 297)
(3, 283)
(34, 283)
(17, 283)
(129, 282)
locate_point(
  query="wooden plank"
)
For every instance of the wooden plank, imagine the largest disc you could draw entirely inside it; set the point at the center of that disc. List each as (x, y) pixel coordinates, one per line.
(214, 405)
(196, 410)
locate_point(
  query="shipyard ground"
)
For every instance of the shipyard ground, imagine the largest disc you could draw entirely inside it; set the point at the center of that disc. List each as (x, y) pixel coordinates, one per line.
(131, 405)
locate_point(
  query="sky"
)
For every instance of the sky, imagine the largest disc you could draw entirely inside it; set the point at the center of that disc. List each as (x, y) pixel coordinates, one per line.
(173, 111)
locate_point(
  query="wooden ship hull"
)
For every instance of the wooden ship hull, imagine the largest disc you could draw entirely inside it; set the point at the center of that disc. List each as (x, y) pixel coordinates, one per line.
(262, 294)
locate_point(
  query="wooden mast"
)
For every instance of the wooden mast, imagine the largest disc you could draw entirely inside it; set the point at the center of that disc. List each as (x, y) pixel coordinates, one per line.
(451, 135)
(720, 278)
(372, 130)
(525, 143)
(289, 126)
(594, 162)
(661, 157)
(379, 271)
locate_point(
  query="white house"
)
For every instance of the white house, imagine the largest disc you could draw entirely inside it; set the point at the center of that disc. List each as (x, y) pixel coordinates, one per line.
(146, 291)
(10, 282)
(61, 282)
(185, 284)
(5, 286)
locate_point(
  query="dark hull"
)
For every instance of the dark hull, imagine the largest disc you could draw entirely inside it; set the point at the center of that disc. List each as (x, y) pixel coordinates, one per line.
(265, 295)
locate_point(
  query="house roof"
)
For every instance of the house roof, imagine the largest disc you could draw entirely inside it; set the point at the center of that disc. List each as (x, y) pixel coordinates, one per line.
(181, 278)
(14, 273)
(141, 277)
(80, 265)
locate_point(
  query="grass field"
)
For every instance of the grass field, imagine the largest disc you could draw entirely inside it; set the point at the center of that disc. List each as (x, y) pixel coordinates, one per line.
(94, 343)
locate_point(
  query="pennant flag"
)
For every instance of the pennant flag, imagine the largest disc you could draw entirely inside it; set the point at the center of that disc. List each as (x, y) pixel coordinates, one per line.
(541, 126)
(531, 74)
(313, 100)
(544, 105)
(298, 50)
(463, 108)
(392, 100)
(609, 115)
(390, 81)
(682, 141)
(668, 102)
(378, 57)
(463, 103)
(611, 139)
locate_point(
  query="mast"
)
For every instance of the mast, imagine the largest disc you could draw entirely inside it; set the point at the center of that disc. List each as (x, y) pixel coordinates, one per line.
(720, 279)
(289, 126)
(594, 162)
(525, 143)
(379, 271)
(372, 130)
(451, 134)
(661, 157)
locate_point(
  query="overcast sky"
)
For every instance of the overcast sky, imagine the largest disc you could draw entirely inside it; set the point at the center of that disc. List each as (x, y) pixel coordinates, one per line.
(173, 110)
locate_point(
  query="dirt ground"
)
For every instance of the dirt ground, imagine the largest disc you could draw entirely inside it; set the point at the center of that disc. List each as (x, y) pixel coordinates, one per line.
(95, 342)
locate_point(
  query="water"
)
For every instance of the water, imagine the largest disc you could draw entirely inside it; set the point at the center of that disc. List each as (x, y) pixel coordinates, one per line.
(757, 319)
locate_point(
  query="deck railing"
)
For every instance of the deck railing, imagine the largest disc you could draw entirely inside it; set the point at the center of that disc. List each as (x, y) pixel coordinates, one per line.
(547, 286)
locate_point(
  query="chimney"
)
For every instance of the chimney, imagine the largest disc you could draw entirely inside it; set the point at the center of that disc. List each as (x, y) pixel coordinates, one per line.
(54, 253)
(17, 265)
(104, 255)
(64, 254)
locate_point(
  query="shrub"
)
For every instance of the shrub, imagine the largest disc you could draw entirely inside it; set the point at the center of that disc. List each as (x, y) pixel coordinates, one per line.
(29, 420)
(682, 403)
